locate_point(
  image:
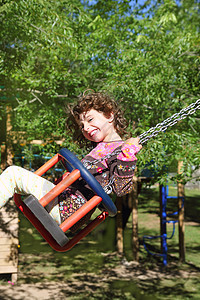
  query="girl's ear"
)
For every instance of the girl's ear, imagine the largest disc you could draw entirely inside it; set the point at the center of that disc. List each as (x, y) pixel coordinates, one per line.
(111, 118)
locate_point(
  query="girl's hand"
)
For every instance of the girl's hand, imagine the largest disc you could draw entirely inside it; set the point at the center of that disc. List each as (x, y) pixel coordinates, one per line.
(134, 141)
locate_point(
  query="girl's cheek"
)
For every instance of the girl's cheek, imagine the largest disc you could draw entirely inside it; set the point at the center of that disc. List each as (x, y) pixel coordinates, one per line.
(86, 135)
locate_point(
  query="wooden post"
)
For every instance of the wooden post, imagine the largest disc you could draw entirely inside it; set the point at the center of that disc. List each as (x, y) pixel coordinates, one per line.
(3, 157)
(8, 136)
(181, 225)
(6, 147)
(119, 221)
(135, 240)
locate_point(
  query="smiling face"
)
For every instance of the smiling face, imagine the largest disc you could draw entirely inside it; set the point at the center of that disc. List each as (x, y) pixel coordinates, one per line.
(97, 128)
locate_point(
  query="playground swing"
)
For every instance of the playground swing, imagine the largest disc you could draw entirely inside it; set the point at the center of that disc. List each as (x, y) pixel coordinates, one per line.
(35, 210)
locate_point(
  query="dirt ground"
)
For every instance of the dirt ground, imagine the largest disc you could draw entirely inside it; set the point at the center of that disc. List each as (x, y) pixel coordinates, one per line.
(128, 280)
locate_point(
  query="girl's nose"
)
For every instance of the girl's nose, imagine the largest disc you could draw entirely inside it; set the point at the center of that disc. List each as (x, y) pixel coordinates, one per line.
(86, 126)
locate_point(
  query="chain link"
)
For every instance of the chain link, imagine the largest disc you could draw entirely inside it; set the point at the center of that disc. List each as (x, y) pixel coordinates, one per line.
(169, 122)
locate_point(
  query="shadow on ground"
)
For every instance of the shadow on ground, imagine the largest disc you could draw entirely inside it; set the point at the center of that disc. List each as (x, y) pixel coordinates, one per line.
(44, 277)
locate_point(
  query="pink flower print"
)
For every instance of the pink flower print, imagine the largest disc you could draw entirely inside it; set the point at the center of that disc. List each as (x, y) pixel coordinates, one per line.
(99, 170)
(65, 207)
(127, 149)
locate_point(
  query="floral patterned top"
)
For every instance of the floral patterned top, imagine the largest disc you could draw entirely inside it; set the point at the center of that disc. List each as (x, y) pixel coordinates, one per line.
(112, 164)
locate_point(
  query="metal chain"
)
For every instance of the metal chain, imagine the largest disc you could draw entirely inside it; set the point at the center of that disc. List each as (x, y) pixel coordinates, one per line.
(171, 121)
(152, 132)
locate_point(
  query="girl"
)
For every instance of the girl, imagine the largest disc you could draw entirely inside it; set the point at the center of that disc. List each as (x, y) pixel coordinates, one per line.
(112, 161)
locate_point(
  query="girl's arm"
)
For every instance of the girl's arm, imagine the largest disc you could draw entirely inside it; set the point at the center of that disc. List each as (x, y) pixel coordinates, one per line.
(133, 141)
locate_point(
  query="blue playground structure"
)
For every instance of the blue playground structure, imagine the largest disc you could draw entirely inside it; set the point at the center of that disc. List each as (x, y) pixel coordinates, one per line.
(164, 196)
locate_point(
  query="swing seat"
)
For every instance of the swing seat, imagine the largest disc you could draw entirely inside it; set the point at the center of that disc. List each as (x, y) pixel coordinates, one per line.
(35, 210)
(46, 220)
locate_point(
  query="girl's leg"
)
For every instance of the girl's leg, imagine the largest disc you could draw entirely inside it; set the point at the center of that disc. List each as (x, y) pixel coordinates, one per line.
(18, 180)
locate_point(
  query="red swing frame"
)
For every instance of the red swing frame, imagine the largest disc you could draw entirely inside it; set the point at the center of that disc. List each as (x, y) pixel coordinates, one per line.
(65, 181)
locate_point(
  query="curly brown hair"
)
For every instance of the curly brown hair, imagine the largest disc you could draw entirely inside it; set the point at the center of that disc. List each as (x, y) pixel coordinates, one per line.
(100, 102)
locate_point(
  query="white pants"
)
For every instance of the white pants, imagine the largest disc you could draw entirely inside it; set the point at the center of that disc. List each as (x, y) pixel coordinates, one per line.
(18, 180)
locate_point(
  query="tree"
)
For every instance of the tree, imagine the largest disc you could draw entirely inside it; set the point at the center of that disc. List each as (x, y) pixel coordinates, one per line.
(146, 55)
(153, 65)
(41, 67)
